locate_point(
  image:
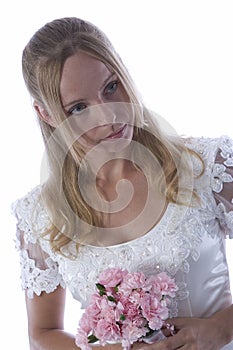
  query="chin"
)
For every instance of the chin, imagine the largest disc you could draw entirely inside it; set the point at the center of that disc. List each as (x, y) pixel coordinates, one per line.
(117, 146)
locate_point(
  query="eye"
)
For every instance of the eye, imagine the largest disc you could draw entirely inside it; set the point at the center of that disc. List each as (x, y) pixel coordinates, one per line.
(111, 87)
(77, 109)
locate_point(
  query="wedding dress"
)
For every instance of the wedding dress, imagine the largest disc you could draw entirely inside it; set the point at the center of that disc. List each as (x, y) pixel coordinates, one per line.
(188, 243)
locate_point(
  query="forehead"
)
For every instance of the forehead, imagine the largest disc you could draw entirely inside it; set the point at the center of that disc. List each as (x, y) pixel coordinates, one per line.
(81, 73)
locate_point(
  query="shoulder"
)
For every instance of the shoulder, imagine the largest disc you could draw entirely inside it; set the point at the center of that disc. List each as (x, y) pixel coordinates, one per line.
(30, 213)
(208, 148)
(212, 150)
(215, 186)
(215, 153)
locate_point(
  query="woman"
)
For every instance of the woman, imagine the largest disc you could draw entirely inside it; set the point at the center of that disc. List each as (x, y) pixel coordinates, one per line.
(120, 190)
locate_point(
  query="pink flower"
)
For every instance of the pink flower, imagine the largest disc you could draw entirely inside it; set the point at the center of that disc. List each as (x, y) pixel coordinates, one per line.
(81, 340)
(137, 296)
(111, 277)
(125, 308)
(119, 311)
(131, 310)
(107, 331)
(162, 284)
(107, 310)
(132, 281)
(93, 312)
(132, 333)
(86, 323)
(155, 311)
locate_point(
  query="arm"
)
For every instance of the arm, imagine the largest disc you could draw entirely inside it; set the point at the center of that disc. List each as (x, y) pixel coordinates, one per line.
(224, 321)
(46, 323)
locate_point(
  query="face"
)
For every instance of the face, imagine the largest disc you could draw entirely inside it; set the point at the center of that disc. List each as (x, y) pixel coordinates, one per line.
(96, 102)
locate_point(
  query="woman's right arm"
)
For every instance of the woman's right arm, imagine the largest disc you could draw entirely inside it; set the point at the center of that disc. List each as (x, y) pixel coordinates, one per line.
(46, 322)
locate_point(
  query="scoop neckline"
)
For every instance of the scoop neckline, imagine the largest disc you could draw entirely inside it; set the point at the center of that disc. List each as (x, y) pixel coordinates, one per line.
(135, 240)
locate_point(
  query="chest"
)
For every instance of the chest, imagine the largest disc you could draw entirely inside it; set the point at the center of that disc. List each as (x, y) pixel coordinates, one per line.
(167, 247)
(132, 208)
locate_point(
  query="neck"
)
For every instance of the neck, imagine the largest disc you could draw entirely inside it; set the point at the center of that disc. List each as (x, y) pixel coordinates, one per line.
(110, 167)
(114, 170)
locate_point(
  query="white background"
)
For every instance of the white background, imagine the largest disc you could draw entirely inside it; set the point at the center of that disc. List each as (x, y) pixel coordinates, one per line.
(179, 52)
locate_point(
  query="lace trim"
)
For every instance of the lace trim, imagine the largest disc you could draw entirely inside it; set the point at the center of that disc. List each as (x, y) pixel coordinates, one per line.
(227, 151)
(219, 176)
(213, 214)
(36, 280)
(32, 217)
(32, 221)
(166, 248)
(225, 219)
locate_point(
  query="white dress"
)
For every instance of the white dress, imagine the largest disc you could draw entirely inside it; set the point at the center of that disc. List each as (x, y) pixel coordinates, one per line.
(188, 243)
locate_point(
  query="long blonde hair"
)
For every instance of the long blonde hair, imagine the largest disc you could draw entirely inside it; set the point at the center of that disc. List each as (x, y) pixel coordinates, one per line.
(42, 62)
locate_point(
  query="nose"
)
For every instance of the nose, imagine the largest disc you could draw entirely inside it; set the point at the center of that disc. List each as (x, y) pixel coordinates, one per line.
(105, 114)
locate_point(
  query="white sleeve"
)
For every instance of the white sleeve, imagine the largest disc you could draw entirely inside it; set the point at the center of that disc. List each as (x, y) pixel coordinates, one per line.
(39, 267)
(222, 185)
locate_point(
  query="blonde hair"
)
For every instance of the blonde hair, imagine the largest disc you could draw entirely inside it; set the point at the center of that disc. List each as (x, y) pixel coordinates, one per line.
(42, 62)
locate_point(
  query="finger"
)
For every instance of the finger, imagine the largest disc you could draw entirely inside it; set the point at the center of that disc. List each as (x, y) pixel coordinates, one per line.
(142, 346)
(168, 329)
(171, 343)
(178, 323)
(161, 345)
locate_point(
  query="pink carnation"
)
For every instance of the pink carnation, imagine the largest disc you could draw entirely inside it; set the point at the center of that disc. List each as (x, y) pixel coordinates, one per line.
(132, 333)
(111, 277)
(162, 284)
(106, 330)
(125, 308)
(154, 311)
(132, 281)
(131, 310)
(81, 340)
(86, 323)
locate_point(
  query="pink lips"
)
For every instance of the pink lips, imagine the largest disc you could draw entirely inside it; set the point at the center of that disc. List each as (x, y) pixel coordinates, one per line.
(117, 134)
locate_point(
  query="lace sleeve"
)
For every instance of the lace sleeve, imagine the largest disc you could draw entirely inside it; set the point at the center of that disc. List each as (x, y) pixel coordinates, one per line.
(222, 185)
(39, 268)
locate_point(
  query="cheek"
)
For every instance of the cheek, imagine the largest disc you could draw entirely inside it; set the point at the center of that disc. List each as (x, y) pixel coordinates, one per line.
(90, 138)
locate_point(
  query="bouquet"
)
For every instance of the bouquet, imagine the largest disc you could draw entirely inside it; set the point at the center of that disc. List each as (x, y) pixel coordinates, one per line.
(126, 307)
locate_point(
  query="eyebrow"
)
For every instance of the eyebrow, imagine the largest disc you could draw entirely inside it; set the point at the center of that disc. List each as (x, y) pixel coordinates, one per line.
(83, 99)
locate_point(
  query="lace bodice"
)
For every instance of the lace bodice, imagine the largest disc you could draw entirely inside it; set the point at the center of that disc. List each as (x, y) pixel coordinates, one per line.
(188, 243)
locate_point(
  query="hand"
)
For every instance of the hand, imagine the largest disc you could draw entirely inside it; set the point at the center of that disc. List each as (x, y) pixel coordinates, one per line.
(192, 334)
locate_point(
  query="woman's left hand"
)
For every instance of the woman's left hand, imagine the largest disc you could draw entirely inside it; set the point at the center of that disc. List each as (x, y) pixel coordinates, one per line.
(193, 334)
